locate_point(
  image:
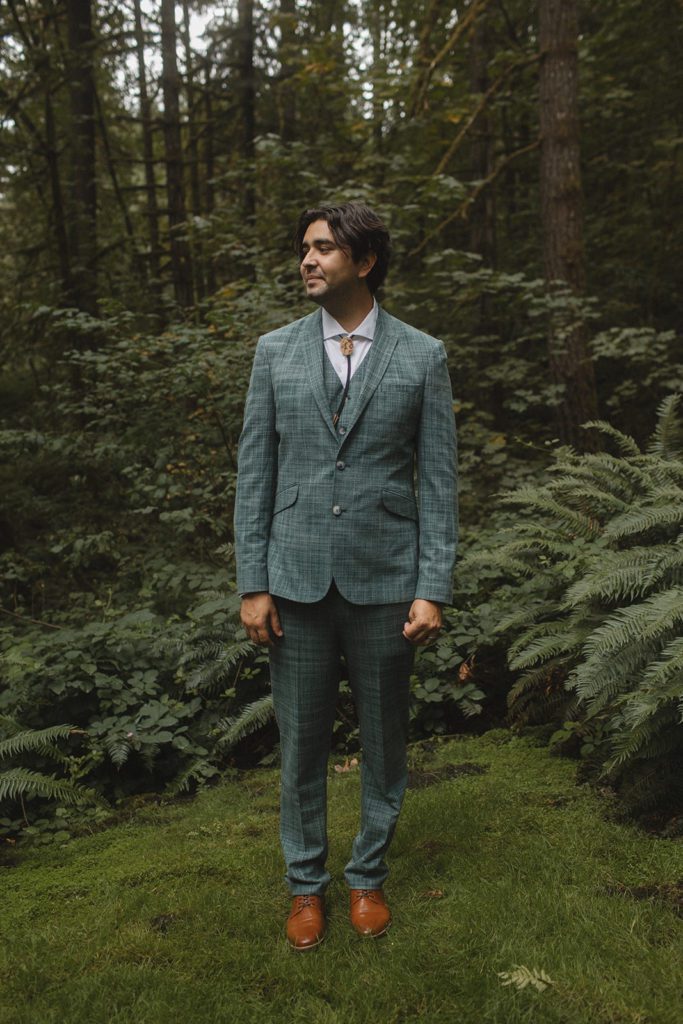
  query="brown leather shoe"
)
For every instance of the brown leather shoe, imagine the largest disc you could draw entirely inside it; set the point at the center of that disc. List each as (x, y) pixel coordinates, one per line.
(306, 922)
(370, 915)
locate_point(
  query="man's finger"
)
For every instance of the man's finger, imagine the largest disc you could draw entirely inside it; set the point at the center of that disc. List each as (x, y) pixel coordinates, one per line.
(275, 622)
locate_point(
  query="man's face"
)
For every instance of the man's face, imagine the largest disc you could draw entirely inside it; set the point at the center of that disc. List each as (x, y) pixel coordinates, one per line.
(329, 272)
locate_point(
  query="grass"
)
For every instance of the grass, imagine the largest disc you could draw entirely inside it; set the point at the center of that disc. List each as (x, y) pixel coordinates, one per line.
(179, 915)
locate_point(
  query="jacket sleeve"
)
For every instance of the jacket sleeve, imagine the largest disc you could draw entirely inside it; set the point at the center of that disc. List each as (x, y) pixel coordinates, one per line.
(437, 484)
(256, 478)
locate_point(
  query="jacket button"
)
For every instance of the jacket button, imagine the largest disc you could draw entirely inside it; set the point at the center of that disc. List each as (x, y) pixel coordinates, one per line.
(336, 510)
(341, 464)
(342, 430)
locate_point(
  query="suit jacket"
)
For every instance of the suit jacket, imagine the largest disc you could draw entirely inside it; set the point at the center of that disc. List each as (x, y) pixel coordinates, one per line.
(371, 504)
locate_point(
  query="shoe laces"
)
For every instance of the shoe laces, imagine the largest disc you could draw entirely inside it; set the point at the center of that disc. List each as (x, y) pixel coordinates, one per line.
(365, 894)
(305, 900)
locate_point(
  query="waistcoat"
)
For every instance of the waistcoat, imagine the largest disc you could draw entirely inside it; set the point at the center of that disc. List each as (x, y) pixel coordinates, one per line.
(335, 388)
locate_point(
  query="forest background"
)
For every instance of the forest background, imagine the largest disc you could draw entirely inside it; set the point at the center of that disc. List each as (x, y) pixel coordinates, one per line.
(153, 160)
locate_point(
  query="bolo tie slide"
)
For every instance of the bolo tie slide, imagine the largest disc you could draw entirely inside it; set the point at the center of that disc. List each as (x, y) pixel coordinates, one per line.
(346, 345)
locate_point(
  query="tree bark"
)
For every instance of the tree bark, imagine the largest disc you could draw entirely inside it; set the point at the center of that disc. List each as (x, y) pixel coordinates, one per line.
(83, 197)
(181, 266)
(247, 98)
(285, 93)
(193, 150)
(482, 218)
(208, 156)
(148, 157)
(562, 215)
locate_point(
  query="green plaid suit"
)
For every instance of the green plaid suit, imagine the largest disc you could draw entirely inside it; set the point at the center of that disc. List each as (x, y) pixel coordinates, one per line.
(328, 521)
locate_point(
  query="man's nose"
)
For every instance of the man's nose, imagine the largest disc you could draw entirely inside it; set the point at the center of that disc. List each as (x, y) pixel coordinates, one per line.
(308, 260)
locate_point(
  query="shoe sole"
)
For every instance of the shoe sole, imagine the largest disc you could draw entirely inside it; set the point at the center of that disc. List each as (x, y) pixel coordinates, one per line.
(305, 949)
(373, 935)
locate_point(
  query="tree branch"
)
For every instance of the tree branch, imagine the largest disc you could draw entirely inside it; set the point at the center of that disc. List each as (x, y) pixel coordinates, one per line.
(481, 106)
(462, 25)
(24, 618)
(463, 209)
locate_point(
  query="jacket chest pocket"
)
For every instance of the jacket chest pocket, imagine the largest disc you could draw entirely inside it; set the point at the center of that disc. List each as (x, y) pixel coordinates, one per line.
(395, 405)
(294, 404)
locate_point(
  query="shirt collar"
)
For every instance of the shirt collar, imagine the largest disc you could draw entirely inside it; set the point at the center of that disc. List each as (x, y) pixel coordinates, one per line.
(366, 329)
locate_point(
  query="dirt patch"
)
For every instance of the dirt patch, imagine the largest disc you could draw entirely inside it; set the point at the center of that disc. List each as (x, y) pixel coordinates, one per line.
(419, 778)
(163, 922)
(670, 893)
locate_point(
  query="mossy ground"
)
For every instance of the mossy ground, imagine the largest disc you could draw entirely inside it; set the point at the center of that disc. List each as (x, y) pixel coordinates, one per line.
(179, 915)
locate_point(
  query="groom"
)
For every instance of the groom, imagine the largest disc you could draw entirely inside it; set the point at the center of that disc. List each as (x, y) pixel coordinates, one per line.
(345, 534)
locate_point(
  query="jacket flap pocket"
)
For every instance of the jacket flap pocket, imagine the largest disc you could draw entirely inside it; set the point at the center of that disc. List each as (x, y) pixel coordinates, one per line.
(286, 497)
(400, 504)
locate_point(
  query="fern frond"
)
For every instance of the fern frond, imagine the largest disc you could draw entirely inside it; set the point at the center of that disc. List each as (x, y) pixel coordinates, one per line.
(655, 737)
(198, 772)
(40, 740)
(602, 678)
(667, 440)
(9, 725)
(535, 631)
(525, 617)
(548, 544)
(648, 620)
(204, 650)
(589, 498)
(21, 782)
(531, 497)
(252, 717)
(522, 976)
(625, 443)
(118, 749)
(539, 695)
(605, 478)
(208, 678)
(643, 519)
(666, 671)
(635, 470)
(555, 643)
(626, 575)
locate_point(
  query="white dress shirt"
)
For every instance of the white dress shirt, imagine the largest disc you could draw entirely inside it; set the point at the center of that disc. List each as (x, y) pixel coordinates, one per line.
(362, 340)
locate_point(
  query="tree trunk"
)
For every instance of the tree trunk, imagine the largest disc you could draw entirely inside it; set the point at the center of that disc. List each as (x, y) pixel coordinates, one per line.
(286, 50)
(379, 68)
(83, 198)
(482, 217)
(181, 266)
(148, 158)
(247, 98)
(562, 216)
(193, 151)
(208, 154)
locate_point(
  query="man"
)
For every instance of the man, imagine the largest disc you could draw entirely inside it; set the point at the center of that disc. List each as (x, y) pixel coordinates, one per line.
(347, 409)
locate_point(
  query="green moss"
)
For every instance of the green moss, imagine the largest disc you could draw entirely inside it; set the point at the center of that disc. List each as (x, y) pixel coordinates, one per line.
(179, 914)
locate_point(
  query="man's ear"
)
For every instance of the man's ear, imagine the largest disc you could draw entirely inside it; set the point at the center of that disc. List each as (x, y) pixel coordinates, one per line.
(367, 263)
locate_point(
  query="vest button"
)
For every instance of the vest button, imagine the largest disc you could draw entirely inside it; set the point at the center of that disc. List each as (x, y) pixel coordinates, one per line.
(336, 510)
(341, 464)
(342, 430)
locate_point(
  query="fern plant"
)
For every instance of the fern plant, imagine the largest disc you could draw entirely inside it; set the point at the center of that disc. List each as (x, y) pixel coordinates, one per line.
(600, 646)
(18, 783)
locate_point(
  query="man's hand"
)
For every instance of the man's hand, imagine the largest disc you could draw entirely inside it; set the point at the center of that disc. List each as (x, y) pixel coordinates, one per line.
(260, 618)
(424, 622)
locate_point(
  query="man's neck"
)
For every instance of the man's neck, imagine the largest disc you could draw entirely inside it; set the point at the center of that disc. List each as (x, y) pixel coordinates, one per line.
(351, 314)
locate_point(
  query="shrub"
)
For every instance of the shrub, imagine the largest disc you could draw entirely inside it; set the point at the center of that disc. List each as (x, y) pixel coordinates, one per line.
(599, 634)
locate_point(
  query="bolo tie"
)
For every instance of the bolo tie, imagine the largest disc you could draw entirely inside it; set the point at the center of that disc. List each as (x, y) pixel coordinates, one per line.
(346, 344)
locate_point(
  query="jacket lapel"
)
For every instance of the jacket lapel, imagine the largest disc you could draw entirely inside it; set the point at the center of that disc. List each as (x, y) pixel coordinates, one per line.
(313, 354)
(378, 357)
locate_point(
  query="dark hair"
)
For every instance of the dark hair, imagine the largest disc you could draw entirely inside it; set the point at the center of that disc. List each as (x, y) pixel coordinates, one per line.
(356, 227)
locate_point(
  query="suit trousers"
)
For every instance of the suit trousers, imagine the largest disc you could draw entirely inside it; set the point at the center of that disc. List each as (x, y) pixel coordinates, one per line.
(305, 674)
